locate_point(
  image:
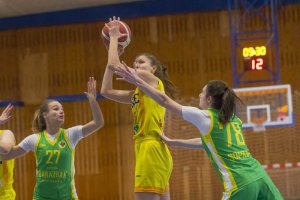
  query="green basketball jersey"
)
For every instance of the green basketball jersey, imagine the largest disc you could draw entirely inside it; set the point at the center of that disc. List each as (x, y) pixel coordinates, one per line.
(54, 168)
(229, 155)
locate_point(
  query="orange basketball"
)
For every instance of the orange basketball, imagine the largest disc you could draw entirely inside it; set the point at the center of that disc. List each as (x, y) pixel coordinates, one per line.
(123, 41)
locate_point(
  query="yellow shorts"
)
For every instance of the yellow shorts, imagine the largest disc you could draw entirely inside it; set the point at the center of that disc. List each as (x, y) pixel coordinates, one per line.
(153, 165)
(7, 194)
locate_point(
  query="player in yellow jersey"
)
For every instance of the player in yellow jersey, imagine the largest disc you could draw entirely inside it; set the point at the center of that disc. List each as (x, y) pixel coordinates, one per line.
(154, 163)
(7, 141)
(242, 176)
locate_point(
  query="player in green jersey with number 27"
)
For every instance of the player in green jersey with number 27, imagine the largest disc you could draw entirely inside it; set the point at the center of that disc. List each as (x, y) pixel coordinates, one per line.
(54, 147)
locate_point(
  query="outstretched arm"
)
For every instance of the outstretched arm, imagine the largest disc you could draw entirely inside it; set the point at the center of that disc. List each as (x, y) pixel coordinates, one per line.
(26, 145)
(132, 77)
(15, 152)
(98, 121)
(195, 143)
(6, 114)
(107, 90)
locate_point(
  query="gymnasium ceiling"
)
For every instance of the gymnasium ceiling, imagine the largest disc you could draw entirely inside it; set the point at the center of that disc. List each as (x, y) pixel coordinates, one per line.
(28, 13)
(13, 8)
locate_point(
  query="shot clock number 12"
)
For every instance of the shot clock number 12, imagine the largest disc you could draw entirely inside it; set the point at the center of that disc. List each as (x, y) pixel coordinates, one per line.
(254, 58)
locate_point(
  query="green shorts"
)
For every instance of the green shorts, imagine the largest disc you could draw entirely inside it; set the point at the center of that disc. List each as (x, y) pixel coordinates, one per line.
(153, 166)
(263, 189)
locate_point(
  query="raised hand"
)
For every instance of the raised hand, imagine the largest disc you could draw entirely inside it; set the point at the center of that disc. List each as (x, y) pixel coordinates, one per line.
(6, 114)
(91, 93)
(126, 73)
(114, 27)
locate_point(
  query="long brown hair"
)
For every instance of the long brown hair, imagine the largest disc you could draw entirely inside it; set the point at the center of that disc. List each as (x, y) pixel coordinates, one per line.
(39, 123)
(224, 99)
(162, 74)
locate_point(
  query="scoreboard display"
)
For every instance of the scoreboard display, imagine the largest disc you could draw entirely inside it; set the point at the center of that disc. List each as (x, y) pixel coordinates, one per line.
(255, 58)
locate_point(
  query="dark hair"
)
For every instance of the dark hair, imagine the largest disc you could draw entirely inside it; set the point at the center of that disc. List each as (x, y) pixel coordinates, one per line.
(162, 74)
(224, 99)
(39, 123)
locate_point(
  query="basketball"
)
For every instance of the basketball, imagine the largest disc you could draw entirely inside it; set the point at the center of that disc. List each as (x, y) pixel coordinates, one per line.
(123, 41)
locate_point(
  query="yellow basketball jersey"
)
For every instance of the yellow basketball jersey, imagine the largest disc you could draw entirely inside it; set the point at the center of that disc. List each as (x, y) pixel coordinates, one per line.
(148, 115)
(154, 163)
(6, 178)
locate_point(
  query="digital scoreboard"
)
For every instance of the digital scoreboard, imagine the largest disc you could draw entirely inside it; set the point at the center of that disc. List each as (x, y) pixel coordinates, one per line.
(255, 58)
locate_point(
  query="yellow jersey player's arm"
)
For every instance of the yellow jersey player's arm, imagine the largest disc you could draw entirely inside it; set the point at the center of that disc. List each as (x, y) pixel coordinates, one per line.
(194, 143)
(107, 89)
(7, 141)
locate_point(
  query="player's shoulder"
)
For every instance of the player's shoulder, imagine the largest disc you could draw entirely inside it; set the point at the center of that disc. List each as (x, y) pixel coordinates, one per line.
(195, 109)
(73, 129)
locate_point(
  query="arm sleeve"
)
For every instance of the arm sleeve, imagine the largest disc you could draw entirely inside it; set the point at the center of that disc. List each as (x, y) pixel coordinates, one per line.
(28, 143)
(74, 134)
(200, 118)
